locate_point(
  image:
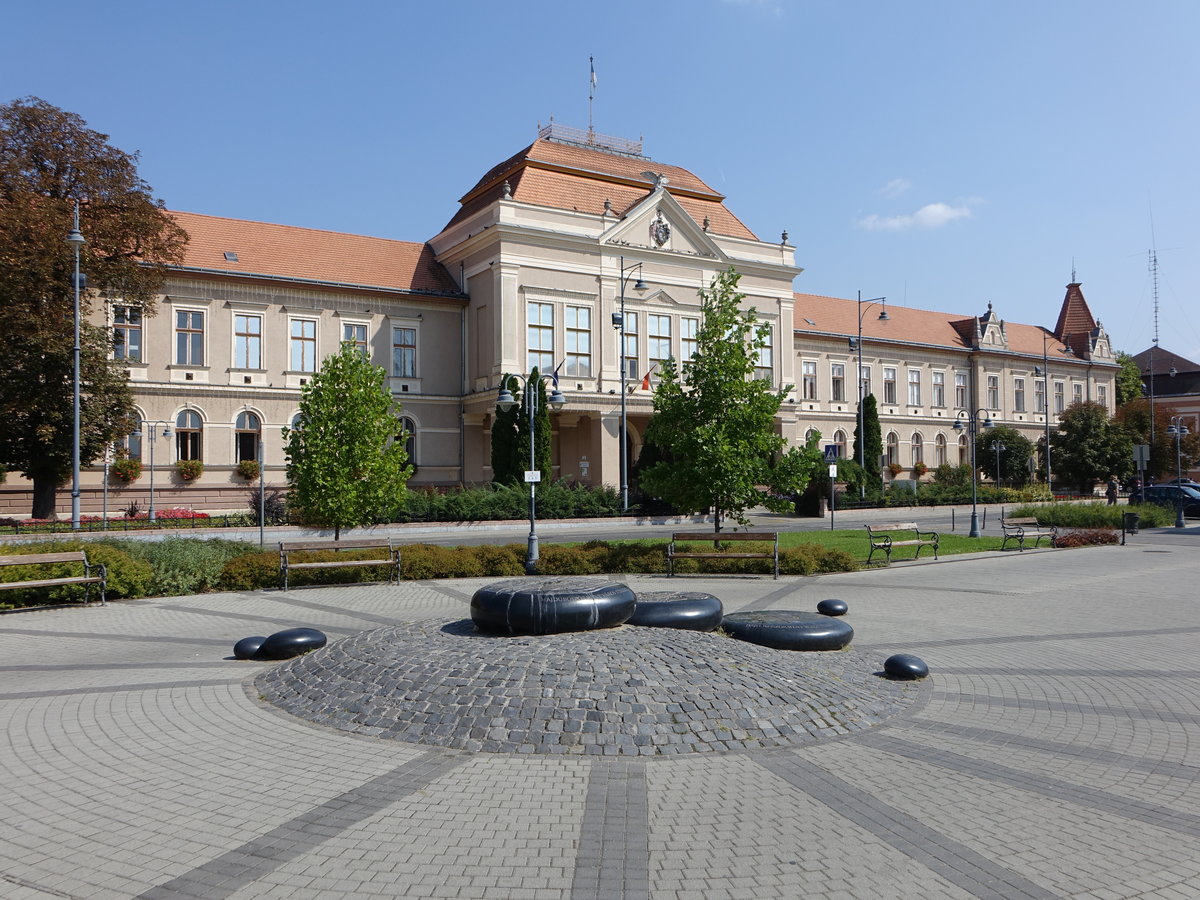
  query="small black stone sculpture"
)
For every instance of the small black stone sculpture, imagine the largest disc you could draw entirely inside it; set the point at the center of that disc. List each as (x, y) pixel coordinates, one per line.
(689, 610)
(906, 667)
(292, 642)
(832, 607)
(248, 647)
(551, 605)
(788, 629)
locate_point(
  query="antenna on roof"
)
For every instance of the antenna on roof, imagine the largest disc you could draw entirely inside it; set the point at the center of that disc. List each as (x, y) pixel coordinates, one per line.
(591, 96)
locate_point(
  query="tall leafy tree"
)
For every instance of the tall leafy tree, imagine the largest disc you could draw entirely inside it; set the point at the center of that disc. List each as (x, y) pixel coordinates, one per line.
(1088, 447)
(715, 421)
(49, 160)
(1129, 379)
(1134, 417)
(872, 448)
(345, 459)
(1014, 458)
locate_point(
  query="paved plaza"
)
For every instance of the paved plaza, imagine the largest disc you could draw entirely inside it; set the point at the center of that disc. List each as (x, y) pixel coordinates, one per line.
(1053, 752)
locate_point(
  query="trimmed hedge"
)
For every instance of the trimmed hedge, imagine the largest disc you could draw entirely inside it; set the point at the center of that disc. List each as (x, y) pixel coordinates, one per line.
(127, 577)
(1094, 515)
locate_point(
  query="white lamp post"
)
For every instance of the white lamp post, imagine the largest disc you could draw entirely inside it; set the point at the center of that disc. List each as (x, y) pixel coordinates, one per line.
(883, 317)
(76, 240)
(972, 426)
(148, 429)
(618, 321)
(505, 402)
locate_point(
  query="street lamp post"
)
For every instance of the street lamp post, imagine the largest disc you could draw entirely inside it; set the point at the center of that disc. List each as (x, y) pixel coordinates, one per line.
(972, 426)
(883, 317)
(999, 448)
(76, 240)
(1178, 429)
(148, 429)
(618, 321)
(1045, 373)
(505, 402)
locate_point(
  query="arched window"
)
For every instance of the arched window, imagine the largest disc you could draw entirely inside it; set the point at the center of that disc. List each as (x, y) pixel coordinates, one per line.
(247, 434)
(809, 434)
(839, 441)
(939, 450)
(963, 457)
(188, 433)
(918, 449)
(410, 440)
(893, 448)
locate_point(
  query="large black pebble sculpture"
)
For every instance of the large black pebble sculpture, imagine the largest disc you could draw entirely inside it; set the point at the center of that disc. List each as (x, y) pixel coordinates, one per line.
(905, 667)
(689, 610)
(551, 605)
(248, 647)
(787, 629)
(292, 642)
(832, 607)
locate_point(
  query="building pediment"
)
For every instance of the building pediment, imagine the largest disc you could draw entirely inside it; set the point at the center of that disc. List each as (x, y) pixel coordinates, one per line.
(658, 222)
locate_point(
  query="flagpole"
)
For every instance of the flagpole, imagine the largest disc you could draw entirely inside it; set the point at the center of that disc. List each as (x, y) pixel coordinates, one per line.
(591, 96)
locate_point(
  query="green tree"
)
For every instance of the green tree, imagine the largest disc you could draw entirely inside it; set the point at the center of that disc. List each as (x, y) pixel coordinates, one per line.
(507, 438)
(1134, 417)
(1129, 379)
(49, 161)
(1087, 447)
(872, 449)
(345, 459)
(1014, 458)
(541, 435)
(715, 421)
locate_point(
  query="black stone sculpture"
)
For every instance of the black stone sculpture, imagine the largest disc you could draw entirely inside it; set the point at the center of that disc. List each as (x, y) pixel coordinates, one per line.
(292, 642)
(787, 629)
(551, 605)
(832, 607)
(248, 647)
(905, 667)
(689, 610)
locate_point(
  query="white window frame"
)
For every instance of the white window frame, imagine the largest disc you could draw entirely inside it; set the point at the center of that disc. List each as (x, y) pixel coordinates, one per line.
(808, 369)
(960, 390)
(134, 323)
(889, 385)
(658, 341)
(764, 357)
(302, 342)
(837, 382)
(364, 345)
(405, 351)
(993, 392)
(939, 389)
(178, 331)
(252, 339)
(577, 322)
(539, 336)
(1018, 394)
(914, 387)
(689, 332)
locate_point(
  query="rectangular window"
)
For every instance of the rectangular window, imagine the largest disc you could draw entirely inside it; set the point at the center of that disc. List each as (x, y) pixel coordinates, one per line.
(631, 345)
(1102, 395)
(889, 386)
(864, 381)
(658, 338)
(1039, 396)
(1077, 393)
(764, 364)
(914, 387)
(810, 380)
(404, 352)
(993, 392)
(189, 338)
(303, 345)
(127, 333)
(1059, 397)
(837, 376)
(939, 388)
(960, 390)
(247, 342)
(1019, 395)
(579, 341)
(353, 333)
(688, 330)
(539, 337)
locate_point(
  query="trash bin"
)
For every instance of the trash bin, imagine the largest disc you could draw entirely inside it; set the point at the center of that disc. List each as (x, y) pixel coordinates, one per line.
(1131, 522)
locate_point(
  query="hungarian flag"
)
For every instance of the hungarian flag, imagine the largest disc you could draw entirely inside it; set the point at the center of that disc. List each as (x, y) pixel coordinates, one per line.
(646, 378)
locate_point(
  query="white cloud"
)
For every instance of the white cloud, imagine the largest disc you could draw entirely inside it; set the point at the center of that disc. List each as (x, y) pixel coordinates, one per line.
(895, 187)
(932, 215)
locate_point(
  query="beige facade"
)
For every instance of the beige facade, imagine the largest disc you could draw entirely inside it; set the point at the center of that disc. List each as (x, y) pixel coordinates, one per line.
(531, 271)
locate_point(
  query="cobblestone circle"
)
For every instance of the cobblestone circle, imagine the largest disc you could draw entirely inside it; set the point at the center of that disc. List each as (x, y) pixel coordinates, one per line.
(615, 692)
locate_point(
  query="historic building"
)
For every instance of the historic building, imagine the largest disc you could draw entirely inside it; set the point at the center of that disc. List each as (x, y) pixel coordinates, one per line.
(534, 269)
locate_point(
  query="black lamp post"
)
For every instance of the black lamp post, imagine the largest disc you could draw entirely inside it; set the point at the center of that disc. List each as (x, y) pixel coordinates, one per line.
(76, 240)
(1178, 429)
(972, 425)
(505, 402)
(1045, 373)
(857, 344)
(618, 321)
(999, 448)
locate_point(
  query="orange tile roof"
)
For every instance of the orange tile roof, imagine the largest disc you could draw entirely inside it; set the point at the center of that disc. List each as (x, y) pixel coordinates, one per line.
(284, 251)
(568, 176)
(814, 314)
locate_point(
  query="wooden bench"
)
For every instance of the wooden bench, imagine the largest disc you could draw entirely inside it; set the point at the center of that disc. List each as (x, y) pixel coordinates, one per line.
(1020, 530)
(92, 574)
(881, 537)
(717, 538)
(388, 555)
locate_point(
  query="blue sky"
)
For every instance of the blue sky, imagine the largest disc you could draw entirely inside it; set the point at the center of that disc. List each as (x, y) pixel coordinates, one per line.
(944, 154)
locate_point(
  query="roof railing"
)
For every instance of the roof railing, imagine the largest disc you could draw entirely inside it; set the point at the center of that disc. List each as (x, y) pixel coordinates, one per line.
(590, 138)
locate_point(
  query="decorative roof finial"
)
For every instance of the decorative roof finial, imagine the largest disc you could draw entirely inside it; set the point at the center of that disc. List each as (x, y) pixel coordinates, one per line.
(507, 190)
(783, 238)
(706, 223)
(607, 206)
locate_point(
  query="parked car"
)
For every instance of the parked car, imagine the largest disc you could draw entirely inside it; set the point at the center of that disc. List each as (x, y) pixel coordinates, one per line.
(1187, 482)
(1170, 495)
